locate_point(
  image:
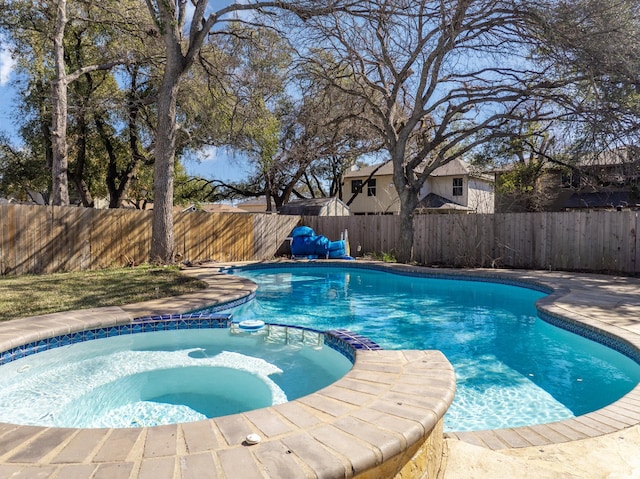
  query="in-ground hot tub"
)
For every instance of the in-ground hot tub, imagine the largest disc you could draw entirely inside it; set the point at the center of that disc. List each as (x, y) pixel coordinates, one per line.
(167, 376)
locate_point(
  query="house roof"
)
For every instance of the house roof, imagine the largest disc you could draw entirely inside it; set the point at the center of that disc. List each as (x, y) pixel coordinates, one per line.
(308, 206)
(437, 202)
(457, 167)
(603, 199)
(220, 208)
(615, 157)
(385, 168)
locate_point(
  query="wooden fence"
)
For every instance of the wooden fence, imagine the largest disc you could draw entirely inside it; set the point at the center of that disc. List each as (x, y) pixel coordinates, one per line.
(46, 239)
(601, 241)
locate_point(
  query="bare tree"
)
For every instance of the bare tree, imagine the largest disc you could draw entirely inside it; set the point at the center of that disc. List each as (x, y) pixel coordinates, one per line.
(439, 79)
(595, 43)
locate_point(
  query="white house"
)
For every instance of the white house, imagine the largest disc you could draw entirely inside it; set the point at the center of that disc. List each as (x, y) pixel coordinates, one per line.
(451, 188)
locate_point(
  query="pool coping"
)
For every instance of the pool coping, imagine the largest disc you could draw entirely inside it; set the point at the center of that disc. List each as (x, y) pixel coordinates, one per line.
(609, 304)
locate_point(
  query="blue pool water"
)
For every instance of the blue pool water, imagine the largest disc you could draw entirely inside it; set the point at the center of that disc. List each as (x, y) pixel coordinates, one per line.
(512, 368)
(164, 377)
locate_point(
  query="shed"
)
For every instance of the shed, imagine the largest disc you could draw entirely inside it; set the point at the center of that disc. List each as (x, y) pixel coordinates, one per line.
(315, 207)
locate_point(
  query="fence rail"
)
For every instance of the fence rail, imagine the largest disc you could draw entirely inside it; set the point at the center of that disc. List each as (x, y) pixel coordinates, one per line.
(46, 239)
(49, 239)
(604, 241)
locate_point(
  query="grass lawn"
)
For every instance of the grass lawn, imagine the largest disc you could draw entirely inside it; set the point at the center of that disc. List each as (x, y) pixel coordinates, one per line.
(30, 295)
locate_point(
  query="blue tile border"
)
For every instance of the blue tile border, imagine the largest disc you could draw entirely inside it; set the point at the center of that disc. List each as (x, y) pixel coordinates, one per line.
(138, 325)
(348, 343)
(226, 305)
(342, 341)
(598, 335)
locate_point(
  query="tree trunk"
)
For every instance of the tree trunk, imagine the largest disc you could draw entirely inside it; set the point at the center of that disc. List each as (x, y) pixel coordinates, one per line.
(408, 202)
(45, 121)
(117, 181)
(405, 252)
(162, 240)
(268, 193)
(60, 182)
(77, 174)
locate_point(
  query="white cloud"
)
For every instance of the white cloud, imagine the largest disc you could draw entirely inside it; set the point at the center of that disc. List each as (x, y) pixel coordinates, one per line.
(6, 66)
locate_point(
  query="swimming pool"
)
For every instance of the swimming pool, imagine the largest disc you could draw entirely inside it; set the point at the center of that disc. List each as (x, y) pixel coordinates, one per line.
(513, 369)
(165, 377)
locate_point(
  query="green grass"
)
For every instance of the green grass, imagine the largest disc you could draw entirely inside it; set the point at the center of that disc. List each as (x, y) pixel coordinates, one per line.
(31, 295)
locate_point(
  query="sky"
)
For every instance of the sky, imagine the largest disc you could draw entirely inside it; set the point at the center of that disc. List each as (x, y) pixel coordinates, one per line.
(211, 163)
(217, 163)
(6, 91)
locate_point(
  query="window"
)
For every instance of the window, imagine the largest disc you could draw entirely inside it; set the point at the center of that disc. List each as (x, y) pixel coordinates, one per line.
(356, 186)
(371, 187)
(457, 187)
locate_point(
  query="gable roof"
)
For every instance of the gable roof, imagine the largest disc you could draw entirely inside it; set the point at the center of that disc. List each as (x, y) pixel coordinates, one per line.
(385, 169)
(211, 208)
(456, 167)
(258, 201)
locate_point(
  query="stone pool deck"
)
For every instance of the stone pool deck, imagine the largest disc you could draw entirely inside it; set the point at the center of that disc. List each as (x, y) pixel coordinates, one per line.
(374, 413)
